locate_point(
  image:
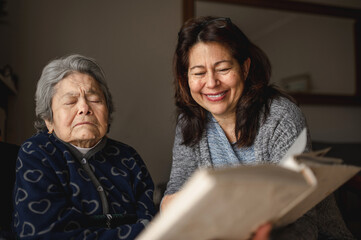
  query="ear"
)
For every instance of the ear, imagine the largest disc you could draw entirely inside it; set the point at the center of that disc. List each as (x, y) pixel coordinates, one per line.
(246, 66)
(49, 125)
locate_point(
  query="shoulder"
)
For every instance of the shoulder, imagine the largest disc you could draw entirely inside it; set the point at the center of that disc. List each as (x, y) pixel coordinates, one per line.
(178, 140)
(42, 150)
(191, 155)
(121, 151)
(281, 128)
(286, 114)
(37, 143)
(283, 107)
(123, 147)
(125, 155)
(37, 138)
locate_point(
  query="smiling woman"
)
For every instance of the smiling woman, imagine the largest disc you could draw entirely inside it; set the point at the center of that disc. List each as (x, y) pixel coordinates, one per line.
(228, 114)
(72, 182)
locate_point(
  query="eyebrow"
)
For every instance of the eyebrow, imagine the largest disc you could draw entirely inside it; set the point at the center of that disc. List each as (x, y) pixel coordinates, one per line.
(217, 63)
(72, 94)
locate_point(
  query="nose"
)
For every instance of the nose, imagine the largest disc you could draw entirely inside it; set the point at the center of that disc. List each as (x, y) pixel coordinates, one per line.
(211, 80)
(84, 107)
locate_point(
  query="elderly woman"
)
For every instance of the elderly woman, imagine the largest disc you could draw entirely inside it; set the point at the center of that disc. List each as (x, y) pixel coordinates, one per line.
(229, 115)
(72, 181)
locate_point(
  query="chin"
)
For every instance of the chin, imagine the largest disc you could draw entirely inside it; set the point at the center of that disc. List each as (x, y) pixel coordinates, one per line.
(217, 112)
(87, 136)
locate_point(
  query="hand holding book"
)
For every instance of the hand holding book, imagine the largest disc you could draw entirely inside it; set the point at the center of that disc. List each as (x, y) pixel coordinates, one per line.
(232, 203)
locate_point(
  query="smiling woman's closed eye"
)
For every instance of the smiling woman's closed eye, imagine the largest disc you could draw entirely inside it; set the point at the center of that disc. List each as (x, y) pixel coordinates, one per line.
(220, 67)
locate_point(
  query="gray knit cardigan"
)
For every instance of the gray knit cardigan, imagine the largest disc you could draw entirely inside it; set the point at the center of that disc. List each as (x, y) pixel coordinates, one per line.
(283, 125)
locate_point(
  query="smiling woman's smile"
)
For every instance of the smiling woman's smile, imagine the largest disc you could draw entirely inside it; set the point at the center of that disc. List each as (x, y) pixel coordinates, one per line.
(217, 96)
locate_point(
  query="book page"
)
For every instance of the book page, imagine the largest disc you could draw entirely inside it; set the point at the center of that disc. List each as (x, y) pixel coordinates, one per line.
(297, 148)
(329, 178)
(227, 203)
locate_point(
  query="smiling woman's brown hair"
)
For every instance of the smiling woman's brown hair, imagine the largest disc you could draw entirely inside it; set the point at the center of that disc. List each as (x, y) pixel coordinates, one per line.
(252, 106)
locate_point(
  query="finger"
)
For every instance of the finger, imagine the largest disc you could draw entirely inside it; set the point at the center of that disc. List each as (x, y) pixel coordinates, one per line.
(263, 232)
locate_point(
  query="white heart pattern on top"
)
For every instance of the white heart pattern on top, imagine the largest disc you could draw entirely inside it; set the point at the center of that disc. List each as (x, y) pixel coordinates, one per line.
(40, 207)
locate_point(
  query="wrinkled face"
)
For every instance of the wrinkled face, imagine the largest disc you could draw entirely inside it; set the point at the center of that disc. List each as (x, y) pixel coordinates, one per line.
(80, 113)
(214, 79)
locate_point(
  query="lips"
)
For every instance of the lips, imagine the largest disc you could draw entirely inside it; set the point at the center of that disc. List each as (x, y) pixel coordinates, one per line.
(83, 123)
(216, 96)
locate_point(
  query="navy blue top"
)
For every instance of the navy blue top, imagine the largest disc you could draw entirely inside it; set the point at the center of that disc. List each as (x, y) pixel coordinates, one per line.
(55, 197)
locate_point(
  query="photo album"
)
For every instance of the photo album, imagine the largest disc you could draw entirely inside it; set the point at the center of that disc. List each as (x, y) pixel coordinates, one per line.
(231, 203)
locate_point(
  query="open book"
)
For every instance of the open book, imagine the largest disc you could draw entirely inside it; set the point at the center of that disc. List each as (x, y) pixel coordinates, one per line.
(231, 203)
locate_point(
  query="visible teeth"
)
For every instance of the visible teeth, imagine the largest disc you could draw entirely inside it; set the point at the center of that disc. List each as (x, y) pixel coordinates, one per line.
(215, 96)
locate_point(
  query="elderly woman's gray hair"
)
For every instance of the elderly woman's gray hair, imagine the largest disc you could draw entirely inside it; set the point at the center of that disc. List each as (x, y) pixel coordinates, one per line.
(57, 70)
